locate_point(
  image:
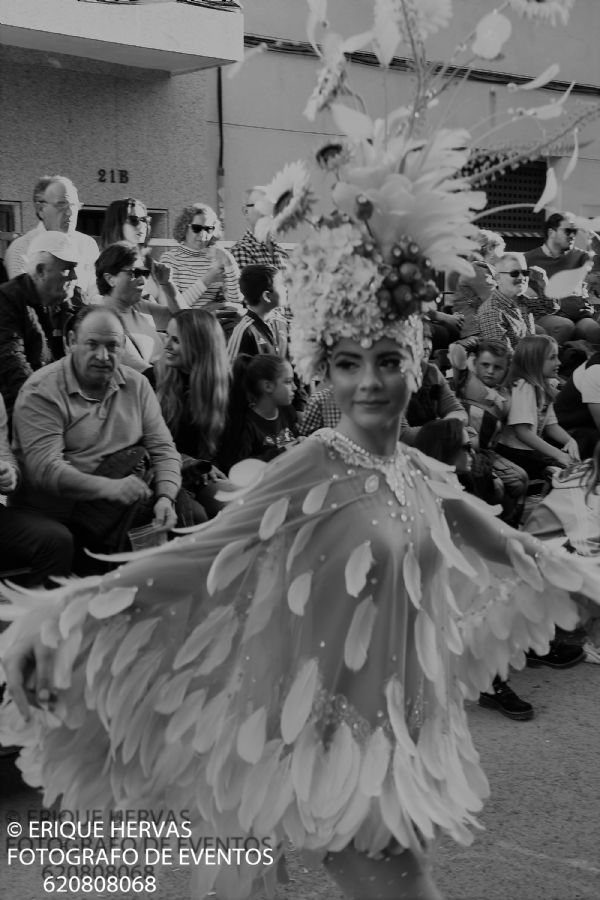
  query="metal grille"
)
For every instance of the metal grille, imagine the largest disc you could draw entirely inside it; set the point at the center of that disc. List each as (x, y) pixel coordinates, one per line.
(523, 185)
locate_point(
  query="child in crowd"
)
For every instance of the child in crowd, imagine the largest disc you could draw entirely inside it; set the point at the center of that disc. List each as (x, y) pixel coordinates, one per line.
(478, 381)
(261, 420)
(260, 331)
(573, 506)
(532, 437)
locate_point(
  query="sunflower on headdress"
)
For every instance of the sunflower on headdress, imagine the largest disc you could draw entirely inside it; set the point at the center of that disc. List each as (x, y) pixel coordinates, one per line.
(285, 202)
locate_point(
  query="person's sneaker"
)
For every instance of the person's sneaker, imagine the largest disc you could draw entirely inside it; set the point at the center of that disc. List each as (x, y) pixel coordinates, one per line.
(507, 702)
(561, 656)
(592, 653)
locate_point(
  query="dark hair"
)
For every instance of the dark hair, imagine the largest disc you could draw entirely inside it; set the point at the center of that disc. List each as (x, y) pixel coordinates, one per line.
(552, 223)
(112, 259)
(442, 439)
(115, 217)
(82, 314)
(249, 371)
(255, 280)
(496, 348)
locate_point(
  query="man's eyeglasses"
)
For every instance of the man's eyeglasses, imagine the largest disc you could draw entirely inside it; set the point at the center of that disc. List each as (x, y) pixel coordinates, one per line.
(198, 229)
(137, 220)
(570, 232)
(514, 273)
(136, 273)
(61, 205)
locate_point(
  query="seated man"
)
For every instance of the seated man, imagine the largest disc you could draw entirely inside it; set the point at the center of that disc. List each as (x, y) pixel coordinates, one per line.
(500, 317)
(28, 540)
(75, 415)
(34, 311)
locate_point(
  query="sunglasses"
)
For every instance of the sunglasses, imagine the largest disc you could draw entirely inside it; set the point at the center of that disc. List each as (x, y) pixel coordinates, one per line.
(570, 231)
(137, 273)
(198, 229)
(139, 220)
(514, 273)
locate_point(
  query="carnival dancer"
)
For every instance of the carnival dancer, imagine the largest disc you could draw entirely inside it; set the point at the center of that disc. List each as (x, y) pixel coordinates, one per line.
(302, 659)
(296, 668)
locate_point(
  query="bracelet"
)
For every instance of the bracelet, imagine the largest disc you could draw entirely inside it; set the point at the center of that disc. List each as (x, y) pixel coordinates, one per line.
(165, 497)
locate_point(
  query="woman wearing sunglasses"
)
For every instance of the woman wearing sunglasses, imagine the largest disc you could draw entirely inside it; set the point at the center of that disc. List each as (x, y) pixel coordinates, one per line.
(122, 272)
(203, 273)
(126, 220)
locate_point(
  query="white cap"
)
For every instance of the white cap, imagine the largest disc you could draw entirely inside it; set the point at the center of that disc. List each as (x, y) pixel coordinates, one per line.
(63, 246)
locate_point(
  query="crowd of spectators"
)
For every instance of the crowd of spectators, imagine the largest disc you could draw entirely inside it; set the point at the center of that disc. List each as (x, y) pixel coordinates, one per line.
(129, 396)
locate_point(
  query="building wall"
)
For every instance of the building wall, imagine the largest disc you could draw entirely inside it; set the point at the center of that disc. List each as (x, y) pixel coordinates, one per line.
(264, 126)
(77, 117)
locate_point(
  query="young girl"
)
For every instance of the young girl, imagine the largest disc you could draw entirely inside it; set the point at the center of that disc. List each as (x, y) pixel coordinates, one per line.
(261, 419)
(532, 437)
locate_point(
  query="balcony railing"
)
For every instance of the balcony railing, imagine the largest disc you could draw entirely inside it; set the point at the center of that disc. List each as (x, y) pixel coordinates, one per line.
(172, 36)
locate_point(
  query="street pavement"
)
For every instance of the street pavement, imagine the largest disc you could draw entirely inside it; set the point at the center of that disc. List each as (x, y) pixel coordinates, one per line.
(541, 838)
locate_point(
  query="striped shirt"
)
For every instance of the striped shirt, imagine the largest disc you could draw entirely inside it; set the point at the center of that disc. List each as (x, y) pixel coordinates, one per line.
(189, 267)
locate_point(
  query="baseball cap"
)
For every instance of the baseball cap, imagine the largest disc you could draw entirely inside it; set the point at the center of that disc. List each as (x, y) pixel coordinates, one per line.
(63, 246)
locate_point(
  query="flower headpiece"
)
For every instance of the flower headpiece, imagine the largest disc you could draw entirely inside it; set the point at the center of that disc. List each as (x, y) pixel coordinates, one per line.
(404, 201)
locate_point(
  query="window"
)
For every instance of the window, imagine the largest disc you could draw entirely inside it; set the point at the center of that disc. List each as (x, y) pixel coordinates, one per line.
(10, 223)
(521, 228)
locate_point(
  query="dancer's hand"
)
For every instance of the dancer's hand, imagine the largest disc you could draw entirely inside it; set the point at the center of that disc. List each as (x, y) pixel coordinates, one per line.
(28, 667)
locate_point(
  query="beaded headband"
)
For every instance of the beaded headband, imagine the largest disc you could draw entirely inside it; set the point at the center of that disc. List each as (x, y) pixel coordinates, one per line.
(405, 207)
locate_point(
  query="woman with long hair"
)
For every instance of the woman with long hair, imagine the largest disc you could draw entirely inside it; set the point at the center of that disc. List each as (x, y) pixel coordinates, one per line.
(192, 385)
(126, 220)
(192, 382)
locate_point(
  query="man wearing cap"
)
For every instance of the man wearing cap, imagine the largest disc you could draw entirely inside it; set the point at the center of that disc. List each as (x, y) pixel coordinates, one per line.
(56, 203)
(34, 311)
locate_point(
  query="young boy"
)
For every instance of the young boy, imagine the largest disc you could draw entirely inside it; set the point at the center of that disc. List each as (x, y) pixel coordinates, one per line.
(478, 383)
(263, 329)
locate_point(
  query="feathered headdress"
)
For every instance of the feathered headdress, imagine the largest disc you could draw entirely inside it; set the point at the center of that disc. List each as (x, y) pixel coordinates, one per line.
(405, 200)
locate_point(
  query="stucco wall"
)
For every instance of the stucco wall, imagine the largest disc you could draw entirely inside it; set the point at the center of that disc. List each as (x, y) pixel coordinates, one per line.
(74, 119)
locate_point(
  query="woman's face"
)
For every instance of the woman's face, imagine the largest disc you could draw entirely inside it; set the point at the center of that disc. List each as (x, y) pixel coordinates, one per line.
(135, 226)
(464, 457)
(128, 284)
(283, 393)
(200, 232)
(372, 386)
(173, 348)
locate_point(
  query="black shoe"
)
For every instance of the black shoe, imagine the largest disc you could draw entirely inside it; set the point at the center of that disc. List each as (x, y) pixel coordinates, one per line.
(507, 702)
(561, 656)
